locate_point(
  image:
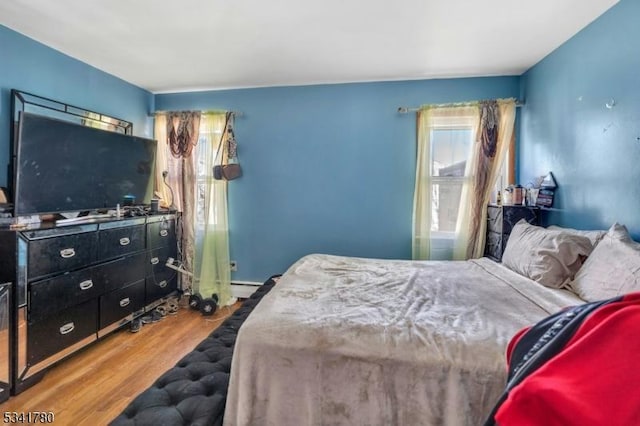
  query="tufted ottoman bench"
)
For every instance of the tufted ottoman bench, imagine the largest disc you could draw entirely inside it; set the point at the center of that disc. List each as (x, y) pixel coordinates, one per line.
(194, 392)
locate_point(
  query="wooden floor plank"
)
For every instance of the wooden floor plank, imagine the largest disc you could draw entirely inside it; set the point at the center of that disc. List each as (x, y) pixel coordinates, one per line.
(96, 384)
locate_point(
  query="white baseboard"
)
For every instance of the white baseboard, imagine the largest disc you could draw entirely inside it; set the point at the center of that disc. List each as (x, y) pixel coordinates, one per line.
(245, 282)
(244, 289)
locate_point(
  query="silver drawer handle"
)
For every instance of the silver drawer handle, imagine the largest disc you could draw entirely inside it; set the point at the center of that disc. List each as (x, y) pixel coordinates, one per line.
(86, 285)
(162, 284)
(124, 241)
(67, 328)
(67, 253)
(124, 302)
(164, 232)
(155, 260)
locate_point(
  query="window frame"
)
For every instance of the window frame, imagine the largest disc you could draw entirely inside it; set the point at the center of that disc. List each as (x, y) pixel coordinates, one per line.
(505, 178)
(462, 122)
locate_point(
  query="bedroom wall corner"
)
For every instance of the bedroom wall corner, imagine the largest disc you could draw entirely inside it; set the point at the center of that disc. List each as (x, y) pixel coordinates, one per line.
(570, 127)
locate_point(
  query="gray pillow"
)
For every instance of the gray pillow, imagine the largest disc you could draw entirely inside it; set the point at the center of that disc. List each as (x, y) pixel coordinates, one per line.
(612, 269)
(550, 257)
(593, 236)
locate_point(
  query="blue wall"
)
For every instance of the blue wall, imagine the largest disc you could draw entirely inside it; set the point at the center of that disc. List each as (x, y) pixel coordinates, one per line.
(32, 67)
(327, 168)
(593, 151)
(330, 168)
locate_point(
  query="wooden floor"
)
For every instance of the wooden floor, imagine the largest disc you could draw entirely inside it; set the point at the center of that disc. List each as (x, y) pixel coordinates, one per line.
(94, 386)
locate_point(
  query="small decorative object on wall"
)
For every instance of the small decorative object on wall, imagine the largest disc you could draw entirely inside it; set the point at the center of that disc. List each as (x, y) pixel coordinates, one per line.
(548, 182)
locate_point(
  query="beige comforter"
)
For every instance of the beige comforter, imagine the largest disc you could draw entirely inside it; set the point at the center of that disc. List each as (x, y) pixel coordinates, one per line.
(351, 341)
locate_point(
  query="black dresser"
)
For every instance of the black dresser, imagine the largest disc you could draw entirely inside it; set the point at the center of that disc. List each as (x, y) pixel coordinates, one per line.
(76, 283)
(500, 222)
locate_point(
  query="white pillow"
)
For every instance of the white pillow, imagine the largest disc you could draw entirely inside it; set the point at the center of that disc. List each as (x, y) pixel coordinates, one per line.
(612, 269)
(593, 236)
(550, 257)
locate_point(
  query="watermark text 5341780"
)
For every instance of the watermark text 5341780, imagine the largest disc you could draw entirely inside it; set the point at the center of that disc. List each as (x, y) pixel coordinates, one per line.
(27, 417)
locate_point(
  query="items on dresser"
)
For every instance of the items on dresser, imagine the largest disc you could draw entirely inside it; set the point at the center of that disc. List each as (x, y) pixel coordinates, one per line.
(500, 222)
(545, 186)
(545, 198)
(514, 195)
(74, 284)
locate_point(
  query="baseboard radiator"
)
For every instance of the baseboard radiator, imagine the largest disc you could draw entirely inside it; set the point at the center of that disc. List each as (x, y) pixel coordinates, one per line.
(244, 289)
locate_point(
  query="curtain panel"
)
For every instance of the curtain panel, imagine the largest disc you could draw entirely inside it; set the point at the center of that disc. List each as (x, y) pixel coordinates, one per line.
(490, 126)
(212, 262)
(493, 137)
(177, 134)
(187, 146)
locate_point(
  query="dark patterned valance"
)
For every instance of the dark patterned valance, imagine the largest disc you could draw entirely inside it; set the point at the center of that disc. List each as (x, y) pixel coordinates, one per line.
(489, 121)
(183, 129)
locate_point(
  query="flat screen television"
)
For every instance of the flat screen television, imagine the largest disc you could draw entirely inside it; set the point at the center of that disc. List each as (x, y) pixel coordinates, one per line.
(60, 166)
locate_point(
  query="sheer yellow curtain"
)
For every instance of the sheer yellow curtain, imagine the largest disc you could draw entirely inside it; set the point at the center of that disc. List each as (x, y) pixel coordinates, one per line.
(212, 263)
(484, 169)
(421, 245)
(427, 228)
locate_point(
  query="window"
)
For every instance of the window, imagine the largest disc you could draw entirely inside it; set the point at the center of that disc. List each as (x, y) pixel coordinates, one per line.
(450, 150)
(445, 142)
(453, 174)
(207, 141)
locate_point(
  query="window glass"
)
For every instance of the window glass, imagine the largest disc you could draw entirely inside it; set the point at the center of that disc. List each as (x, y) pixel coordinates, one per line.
(202, 152)
(450, 149)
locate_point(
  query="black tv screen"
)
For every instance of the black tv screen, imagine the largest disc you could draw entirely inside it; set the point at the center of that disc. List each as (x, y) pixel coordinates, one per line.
(62, 166)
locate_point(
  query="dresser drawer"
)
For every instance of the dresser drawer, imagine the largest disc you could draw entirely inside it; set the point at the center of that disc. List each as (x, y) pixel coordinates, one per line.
(157, 262)
(161, 233)
(50, 296)
(494, 219)
(161, 280)
(157, 287)
(120, 272)
(61, 253)
(493, 247)
(61, 330)
(117, 304)
(120, 241)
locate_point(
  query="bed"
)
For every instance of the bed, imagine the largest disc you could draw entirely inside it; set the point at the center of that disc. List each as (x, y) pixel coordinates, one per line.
(351, 341)
(342, 340)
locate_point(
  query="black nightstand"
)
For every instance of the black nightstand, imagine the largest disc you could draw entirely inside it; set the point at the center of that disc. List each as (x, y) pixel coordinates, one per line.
(500, 222)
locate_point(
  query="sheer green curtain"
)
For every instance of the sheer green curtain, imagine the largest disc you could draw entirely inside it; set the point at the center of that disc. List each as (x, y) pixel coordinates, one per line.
(212, 269)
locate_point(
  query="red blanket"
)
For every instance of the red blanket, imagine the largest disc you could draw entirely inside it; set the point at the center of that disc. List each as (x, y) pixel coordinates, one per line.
(594, 379)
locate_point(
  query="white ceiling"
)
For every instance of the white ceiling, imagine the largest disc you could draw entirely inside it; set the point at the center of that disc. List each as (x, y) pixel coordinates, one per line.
(187, 45)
